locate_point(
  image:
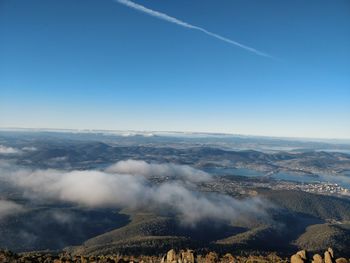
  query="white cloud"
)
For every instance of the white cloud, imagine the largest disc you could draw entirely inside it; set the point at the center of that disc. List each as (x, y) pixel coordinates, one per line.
(8, 150)
(174, 171)
(101, 189)
(8, 208)
(29, 149)
(193, 207)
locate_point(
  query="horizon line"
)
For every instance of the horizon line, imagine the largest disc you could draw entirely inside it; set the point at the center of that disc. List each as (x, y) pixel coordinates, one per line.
(175, 132)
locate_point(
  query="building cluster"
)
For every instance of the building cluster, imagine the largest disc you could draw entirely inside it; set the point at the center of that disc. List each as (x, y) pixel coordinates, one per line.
(240, 187)
(316, 188)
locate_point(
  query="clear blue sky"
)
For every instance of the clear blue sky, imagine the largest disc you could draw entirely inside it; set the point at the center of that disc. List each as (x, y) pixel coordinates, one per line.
(98, 64)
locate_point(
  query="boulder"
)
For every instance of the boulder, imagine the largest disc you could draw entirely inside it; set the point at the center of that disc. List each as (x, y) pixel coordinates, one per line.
(83, 259)
(187, 256)
(228, 258)
(171, 256)
(317, 258)
(302, 254)
(330, 250)
(211, 257)
(296, 258)
(328, 257)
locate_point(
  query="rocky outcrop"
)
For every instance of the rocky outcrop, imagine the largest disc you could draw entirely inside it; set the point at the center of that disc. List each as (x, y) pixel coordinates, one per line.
(187, 256)
(302, 257)
(317, 258)
(296, 259)
(211, 257)
(228, 258)
(299, 257)
(172, 256)
(302, 254)
(329, 256)
(183, 256)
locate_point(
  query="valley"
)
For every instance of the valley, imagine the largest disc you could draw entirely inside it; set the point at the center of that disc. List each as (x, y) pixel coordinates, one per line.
(155, 194)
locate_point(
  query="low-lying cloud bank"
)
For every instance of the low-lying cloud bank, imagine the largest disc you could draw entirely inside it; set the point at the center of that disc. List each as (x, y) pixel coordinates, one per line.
(8, 208)
(125, 185)
(8, 150)
(173, 171)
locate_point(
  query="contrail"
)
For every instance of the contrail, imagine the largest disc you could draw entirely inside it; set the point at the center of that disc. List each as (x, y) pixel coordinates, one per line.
(174, 20)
